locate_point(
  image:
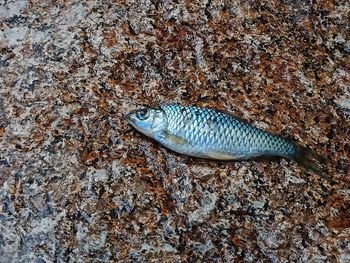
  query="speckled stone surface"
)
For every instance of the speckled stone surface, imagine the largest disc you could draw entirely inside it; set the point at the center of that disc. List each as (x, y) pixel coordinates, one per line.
(77, 184)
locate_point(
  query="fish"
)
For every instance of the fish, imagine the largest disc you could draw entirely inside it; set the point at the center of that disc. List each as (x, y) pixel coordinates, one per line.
(215, 134)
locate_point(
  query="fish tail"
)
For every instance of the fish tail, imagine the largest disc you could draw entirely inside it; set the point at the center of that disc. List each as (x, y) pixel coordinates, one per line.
(311, 161)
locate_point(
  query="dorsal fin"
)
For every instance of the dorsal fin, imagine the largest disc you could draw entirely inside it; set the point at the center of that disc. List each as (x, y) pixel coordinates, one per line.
(239, 118)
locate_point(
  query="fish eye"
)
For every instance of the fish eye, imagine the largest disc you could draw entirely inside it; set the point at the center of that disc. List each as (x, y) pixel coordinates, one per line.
(142, 114)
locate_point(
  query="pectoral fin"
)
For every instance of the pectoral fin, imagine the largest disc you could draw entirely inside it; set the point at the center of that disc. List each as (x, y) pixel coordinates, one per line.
(174, 139)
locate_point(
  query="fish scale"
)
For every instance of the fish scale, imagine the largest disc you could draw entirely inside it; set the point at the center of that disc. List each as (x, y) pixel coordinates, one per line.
(207, 130)
(209, 133)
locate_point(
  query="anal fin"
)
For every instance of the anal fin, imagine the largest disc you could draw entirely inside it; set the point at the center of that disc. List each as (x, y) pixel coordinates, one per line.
(223, 156)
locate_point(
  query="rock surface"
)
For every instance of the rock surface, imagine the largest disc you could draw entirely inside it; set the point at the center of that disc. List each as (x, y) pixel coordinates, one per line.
(78, 184)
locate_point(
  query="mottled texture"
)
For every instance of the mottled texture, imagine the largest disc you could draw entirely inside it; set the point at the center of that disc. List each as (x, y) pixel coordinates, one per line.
(78, 184)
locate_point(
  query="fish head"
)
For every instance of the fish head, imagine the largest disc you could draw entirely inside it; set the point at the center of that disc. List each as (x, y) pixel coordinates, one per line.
(148, 120)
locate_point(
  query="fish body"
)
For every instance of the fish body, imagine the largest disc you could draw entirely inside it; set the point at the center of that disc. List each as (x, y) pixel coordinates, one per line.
(213, 134)
(208, 133)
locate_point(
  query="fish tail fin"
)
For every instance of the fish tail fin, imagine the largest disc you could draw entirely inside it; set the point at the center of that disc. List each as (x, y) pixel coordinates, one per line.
(312, 161)
(309, 159)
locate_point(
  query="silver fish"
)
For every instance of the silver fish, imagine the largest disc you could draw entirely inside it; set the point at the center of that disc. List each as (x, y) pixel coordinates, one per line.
(213, 134)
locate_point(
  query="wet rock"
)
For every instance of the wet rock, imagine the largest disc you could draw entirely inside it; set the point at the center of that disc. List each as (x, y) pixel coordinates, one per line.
(77, 183)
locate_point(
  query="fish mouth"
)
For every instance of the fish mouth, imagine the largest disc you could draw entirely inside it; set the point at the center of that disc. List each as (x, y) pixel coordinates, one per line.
(128, 117)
